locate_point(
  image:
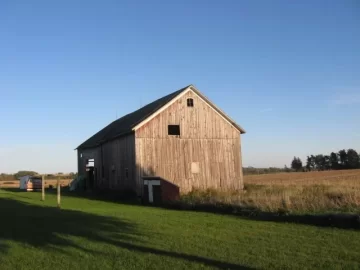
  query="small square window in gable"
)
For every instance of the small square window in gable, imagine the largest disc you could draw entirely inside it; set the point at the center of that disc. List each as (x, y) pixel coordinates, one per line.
(190, 102)
(174, 130)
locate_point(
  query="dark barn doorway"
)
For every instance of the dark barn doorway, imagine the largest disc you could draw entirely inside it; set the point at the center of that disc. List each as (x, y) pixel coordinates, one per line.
(90, 174)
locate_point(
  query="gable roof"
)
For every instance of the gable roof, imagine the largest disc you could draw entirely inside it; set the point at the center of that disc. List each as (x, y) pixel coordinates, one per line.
(126, 124)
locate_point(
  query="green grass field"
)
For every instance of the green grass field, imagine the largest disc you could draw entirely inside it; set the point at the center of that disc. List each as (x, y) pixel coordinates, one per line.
(91, 234)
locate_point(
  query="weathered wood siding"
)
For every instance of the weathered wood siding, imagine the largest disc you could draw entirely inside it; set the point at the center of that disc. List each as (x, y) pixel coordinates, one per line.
(119, 157)
(114, 163)
(207, 154)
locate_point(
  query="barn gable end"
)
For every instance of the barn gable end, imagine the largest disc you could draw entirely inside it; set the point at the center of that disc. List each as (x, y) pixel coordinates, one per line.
(206, 154)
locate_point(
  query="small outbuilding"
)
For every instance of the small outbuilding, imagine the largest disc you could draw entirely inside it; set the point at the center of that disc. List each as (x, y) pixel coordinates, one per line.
(30, 183)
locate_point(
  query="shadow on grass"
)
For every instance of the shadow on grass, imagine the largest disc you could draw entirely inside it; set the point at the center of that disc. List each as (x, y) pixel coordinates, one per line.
(12, 189)
(45, 226)
(50, 227)
(336, 220)
(346, 221)
(340, 221)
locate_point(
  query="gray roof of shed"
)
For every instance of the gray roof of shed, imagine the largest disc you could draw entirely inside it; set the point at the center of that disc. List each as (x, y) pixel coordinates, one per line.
(125, 124)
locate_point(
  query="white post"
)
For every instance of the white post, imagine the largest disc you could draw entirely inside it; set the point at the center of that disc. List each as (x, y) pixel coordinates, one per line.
(58, 193)
(43, 188)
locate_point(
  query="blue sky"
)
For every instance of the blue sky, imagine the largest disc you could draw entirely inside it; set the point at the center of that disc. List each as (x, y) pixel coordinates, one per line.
(288, 72)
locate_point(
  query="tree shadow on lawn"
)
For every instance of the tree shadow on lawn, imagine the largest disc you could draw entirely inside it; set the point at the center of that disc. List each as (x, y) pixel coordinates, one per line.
(336, 220)
(41, 226)
(50, 227)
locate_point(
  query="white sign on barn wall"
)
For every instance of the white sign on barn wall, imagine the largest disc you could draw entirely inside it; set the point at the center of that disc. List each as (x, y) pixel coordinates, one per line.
(90, 163)
(150, 184)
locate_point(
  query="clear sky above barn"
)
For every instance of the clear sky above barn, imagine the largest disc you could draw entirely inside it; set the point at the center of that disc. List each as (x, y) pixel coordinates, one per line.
(288, 72)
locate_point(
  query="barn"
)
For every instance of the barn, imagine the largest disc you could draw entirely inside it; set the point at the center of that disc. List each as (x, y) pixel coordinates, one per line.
(177, 143)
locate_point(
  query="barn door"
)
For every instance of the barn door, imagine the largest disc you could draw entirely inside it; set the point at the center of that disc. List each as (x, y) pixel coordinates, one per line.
(157, 194)
(146, 193)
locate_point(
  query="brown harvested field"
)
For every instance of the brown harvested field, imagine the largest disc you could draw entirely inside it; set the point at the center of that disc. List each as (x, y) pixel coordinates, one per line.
(327, 191)
(48, 183)
(306, 192)
(343, 178)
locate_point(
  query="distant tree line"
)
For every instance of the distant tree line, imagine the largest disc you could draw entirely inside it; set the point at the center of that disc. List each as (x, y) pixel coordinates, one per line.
(6, 176)
(16, 176)
(252, 170)
(342, 160)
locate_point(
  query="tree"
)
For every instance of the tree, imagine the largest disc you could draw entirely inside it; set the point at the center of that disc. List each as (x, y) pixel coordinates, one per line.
(327, 164)
(5, 176)
(334, 161)
(320, 162)
(352, 161)
(296, 164)
(310, 163)
(313, 163)
(23, 173)
(73, 175)
(343, 158)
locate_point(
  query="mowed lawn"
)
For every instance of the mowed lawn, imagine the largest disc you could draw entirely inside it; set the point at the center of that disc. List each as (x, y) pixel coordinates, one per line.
(91, 234)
